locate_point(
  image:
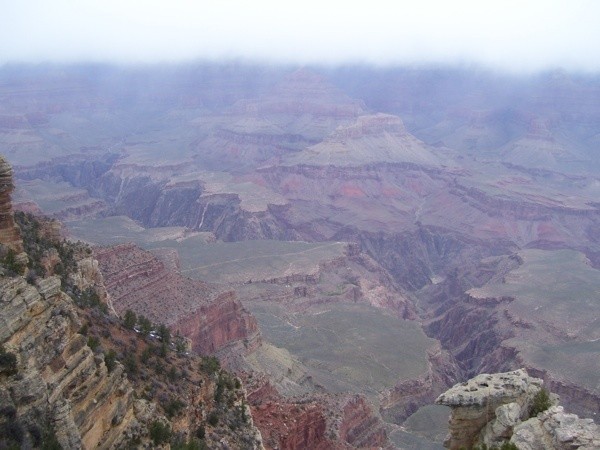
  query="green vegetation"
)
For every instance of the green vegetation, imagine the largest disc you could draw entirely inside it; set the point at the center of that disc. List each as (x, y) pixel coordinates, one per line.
(93, 342)
(164, 334)
(505, 446)
(145, 325)
(50, 442)
(192, 444)
(44, 247)
(88, 298)
(130, 364)
(348, 348)
(11, 430)
(8, 362)
(210, 364)
(173, 407)
(213, 419)
(160, 433)
(541, 402)
(180, 345)
(129, 319)
(10, 262)
(110, 360)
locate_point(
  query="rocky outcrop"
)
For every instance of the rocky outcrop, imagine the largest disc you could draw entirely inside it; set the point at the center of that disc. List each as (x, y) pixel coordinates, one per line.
(555, 429)
(60, 383)
(212, 318)
(9, 232)
(474, 404)
(494, 408)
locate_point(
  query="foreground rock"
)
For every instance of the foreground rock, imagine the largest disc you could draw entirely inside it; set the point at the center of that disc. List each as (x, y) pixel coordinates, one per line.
(496, 408)
(60, 383)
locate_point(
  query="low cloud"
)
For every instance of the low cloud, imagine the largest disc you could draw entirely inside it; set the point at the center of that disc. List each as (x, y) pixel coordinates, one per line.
(513, 35)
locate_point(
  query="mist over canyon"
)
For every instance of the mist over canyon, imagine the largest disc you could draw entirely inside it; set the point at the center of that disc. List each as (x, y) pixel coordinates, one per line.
(349, 241)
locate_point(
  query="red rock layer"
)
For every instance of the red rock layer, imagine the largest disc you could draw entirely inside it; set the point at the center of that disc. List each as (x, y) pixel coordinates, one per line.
(219, 325)
(213, 319)
(319, 422)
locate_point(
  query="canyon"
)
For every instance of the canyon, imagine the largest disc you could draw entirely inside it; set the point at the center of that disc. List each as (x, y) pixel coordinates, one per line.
(60, 383)
(360, 240)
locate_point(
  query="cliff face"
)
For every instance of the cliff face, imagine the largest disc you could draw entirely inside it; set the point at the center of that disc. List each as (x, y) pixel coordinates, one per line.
(222, 327)
(213, 319)
(60, 383)
(323, 422)
(491, 409)
(57, 382)
(61, 380)
(9, 232)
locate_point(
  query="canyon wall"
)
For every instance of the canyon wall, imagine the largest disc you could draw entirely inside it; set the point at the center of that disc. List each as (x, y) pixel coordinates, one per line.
(317, 421)
(211, 317)
(62, 384)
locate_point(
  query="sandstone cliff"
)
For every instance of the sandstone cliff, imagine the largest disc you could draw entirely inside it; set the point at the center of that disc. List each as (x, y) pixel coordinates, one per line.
(494, 408)
(60, 383)
(55, 384)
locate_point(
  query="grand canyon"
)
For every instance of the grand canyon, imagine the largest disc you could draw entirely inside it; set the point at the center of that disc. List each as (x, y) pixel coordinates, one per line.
(345, 243)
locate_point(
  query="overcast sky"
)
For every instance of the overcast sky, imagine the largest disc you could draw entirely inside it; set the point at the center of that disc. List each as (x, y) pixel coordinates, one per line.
(514, 35)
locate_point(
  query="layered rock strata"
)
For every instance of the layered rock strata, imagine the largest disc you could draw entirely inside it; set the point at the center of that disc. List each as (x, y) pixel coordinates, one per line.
(62, 383)
(317, 421)
(212, 318)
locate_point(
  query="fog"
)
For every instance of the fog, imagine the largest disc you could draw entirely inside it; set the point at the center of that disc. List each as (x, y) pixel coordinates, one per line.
(512, 35)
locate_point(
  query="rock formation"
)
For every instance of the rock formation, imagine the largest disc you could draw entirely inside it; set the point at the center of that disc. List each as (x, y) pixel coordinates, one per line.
(212, 318)
(494, 408)
(9, 232)
(555, 429)
(62, 384)
(340, 422)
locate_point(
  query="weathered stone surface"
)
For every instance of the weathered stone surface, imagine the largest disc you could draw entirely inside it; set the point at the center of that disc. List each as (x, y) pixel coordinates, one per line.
(489, 389)
(59, 377)
(556, 430)
(10, 236)
(59, 382)
(474, 404)
(492, 409)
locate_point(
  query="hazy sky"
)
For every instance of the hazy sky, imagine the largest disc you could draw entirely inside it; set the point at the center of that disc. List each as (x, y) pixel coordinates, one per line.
(515, 35)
